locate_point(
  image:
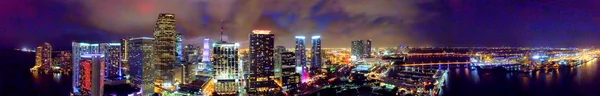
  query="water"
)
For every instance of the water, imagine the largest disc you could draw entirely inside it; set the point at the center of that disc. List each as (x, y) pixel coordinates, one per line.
(578, 81)
(17, 80)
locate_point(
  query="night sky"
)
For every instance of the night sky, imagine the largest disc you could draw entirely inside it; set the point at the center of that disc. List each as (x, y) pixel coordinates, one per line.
(530, 23)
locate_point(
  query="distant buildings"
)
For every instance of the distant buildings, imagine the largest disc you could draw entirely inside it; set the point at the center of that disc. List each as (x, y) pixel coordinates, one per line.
(316, 61)
(261, 72)
(141, 62)
(46, 56)
(226, 68)
(165, 48)
(357, 50)
(38, 58)
(278, 61)
(368, 48)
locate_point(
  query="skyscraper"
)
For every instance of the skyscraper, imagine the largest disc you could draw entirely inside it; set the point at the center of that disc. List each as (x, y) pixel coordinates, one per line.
(38, 58)
(112, 59)
(125, 56)
(278, 61)
(206, 51)
(79, 49)
(368, 48)
(290, 79)
(357, 49)
(179, 48)
(165, 48)
(316, 53)
(261, 72)
(46, 56)
(226, 68)
(300, 54)
(91, 79)
(141, 60)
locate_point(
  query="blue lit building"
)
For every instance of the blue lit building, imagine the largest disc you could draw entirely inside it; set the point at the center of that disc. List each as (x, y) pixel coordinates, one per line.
(141, 59)
(316, 53)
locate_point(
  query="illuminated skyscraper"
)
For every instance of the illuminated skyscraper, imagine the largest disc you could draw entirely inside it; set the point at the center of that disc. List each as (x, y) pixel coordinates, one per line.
(79, 49)
(165, 48)
(206, 51)
(316, 53)
(46, 56)
(179, 48)
(141, 60)
(290, 79)
(300, 53)
(226, 67)
(125, 56)
(261, 72)
(357, 49)
(368, 48)
(278, 61)
(112, 59)
(90, 81)
(38, 58)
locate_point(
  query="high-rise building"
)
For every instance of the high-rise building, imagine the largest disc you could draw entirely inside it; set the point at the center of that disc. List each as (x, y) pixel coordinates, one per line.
(165, 40)
(38, 58)
(46, 56)
(368, 48)
(79, 49)
(261, 73)
(179, 48)
(290, 79)
(141, 60)
(112, 59)
(64, 60)
(97, 76)
(90, 81)
(125, 56)
(300, 53)
(316, 53)
(206, 51)
(191, 54)
(278, 61)
(357, 49)
(226, 68)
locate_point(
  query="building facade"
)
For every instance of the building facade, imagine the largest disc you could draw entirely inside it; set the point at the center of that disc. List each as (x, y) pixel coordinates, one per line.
(226, 67)
(141, 59)
(46, 56)
(112, 59)
(316, 59)
(290, 79)
(165, 48)
(124, 56)
(300, 53)
(261, 72)
(78, 50)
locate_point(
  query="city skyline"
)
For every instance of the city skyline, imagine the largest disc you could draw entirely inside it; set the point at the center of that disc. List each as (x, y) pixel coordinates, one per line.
(419, 23)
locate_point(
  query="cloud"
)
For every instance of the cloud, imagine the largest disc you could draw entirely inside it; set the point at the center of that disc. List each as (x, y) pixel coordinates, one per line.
(386, 21)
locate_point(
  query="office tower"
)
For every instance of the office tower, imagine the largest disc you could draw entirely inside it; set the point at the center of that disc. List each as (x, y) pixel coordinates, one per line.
(91, 71)
(226, 68)
(165, 44)
(277, 57)
(290, 79)
(46, 56)
(79, 49)
(179, 48)
(368, 48)
(141, 63)
(261, 72)
(125, 56)
(112, 59)
(300, 53)
(206, 51)
(97, 76)
(316, 53)
(38, 58)
(357, 50)
(190, 53)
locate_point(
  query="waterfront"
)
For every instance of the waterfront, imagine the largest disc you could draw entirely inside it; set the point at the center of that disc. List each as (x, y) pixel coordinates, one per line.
(461, 81)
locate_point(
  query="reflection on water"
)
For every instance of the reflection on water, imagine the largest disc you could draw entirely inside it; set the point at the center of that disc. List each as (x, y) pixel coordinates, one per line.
(581, 80)
(57, 77)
